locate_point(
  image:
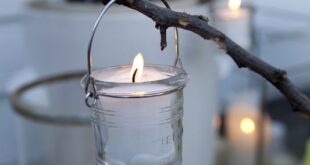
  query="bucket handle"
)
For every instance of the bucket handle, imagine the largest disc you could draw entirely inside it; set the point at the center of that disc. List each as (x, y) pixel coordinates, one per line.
(90, 89)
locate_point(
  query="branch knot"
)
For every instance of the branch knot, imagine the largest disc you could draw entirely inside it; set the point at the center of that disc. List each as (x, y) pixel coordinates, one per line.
(279, 75)
(202, 17)
(184, 20)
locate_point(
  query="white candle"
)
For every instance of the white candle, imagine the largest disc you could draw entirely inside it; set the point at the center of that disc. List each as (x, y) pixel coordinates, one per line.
(242, 121)
(125, 73)
(234, 21)
(122, 75)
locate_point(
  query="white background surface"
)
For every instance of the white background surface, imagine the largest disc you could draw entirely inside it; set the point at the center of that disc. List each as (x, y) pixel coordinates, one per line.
(12, 59)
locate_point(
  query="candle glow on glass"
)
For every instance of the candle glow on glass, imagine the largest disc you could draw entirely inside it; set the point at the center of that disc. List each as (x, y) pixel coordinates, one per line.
(247, 126)
(234, 4)
(234, 8)
(137, 66)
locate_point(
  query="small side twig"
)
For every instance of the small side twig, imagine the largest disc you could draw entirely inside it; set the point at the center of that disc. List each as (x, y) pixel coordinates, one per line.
(163, 35)
(163, 29)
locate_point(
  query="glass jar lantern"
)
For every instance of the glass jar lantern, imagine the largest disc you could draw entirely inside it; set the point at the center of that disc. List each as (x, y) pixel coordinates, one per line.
(136, 122)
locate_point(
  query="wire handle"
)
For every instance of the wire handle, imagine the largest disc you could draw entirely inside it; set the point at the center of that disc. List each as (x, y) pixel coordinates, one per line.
(91, 90)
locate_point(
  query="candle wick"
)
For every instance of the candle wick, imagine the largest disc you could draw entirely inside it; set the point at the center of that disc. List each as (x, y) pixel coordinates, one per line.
(134, 75)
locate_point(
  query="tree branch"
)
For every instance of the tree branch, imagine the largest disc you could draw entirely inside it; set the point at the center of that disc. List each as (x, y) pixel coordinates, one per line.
(166, 18)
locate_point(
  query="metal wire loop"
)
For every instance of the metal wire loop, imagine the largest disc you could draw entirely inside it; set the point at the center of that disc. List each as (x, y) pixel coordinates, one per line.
(90, 100)
(90, 93)
(89, 50)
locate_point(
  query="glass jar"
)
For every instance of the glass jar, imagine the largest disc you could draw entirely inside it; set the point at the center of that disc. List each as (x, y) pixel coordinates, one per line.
(138, 123)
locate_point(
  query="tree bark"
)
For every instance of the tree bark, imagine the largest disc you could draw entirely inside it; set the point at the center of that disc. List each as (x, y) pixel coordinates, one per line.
(165, 18)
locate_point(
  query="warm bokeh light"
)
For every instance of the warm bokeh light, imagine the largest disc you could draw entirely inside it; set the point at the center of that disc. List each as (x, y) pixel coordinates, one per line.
(234, 4)
(247, 126)
(138, 63)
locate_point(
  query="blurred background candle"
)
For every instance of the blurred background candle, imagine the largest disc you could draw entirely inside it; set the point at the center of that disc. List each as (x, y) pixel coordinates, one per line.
(234, 20)
(242, 132)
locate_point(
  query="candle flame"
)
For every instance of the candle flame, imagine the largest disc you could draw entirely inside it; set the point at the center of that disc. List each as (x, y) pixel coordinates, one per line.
(247, 126)
(137, 66)
(234, 5)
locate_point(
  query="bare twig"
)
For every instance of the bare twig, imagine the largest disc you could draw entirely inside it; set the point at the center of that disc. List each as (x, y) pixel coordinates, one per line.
(166, 18)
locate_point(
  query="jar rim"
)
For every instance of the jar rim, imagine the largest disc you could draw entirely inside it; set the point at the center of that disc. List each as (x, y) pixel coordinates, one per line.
(176, 80)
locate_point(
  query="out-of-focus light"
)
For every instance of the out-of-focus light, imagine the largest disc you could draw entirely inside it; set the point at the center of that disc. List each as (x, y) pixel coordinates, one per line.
(247, 126)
